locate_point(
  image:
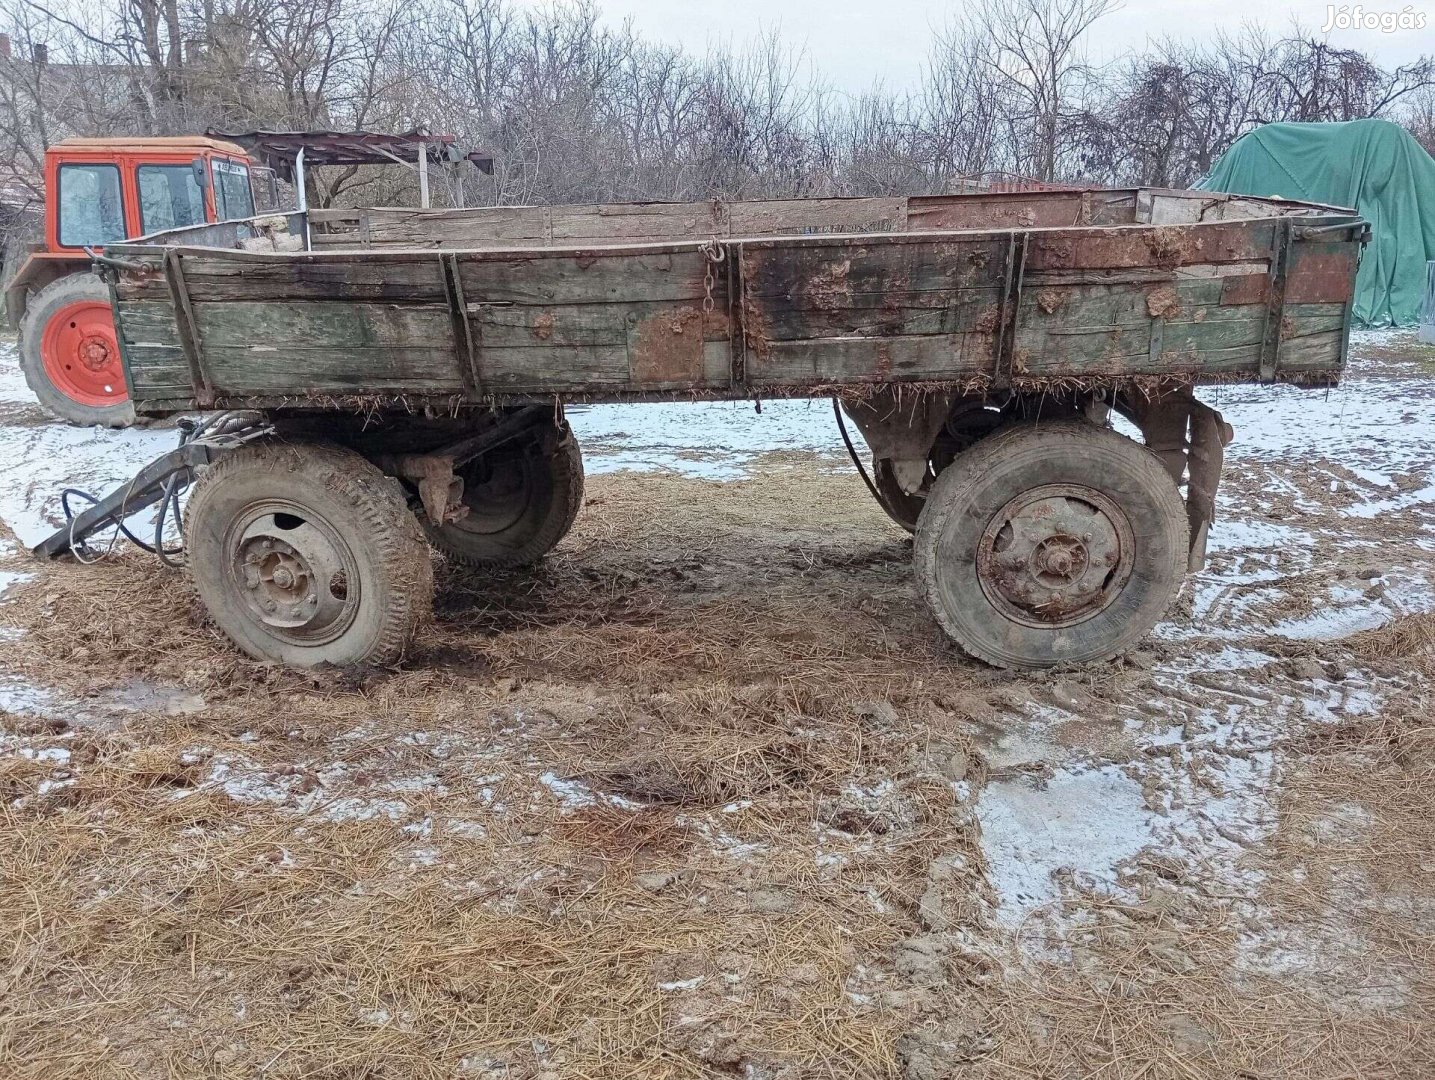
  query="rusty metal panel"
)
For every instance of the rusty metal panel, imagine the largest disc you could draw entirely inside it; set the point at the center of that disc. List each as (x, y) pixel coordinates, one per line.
(1321, 273)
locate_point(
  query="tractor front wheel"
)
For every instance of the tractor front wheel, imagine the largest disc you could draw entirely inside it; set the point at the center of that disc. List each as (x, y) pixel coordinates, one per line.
(70, 353)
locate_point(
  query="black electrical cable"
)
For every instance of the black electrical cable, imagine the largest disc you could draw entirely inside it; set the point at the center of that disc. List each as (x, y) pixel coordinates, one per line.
(65, 497)
(169, 504)
(175, 485)
(852, 452)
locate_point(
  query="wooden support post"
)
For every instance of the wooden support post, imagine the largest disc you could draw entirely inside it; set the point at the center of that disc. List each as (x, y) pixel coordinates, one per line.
(189, 340)
(423, 174)
(1275, 300)
(465, 348)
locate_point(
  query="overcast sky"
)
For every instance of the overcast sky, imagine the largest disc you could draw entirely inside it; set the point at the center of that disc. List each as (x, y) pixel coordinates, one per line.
(855, 43)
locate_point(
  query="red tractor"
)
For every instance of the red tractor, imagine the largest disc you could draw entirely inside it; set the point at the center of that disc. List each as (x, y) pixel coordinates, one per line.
(98, 191)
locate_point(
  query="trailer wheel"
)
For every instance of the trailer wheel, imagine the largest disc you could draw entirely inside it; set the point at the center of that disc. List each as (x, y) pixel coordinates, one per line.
(307, 554)
(1054, 544)
(522, 499)
(70, 353)
(964, 428)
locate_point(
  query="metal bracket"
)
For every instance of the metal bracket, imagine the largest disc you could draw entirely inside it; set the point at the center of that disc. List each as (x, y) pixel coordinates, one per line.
(440, 491)
(1190, 438)
(146, 489)
(1004, 362)
(1210, 435)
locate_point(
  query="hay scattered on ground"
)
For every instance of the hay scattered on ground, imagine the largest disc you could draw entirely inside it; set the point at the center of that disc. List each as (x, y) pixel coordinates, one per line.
(696, 798)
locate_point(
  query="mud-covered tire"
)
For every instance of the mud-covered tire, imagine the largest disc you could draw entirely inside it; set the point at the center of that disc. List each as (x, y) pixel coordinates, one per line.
(326, 518)
(522, 500)
(1063, 497)
(105, 403)
(963, 430)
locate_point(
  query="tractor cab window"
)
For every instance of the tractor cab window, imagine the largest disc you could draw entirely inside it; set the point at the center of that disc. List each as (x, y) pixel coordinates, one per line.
(170, 197)
(233, 198)
(91, 212)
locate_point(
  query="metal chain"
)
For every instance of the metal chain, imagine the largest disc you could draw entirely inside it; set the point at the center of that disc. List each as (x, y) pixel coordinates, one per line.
(714, 252)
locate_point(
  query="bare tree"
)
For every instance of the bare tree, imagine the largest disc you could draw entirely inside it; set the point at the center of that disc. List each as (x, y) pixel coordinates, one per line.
(575, 110)
(1034, 48)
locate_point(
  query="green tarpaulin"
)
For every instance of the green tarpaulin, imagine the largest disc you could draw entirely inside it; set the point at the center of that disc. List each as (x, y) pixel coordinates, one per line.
(1372, 165)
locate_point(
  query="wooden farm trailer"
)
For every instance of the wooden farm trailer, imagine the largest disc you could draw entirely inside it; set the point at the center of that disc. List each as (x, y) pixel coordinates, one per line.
(398, 382)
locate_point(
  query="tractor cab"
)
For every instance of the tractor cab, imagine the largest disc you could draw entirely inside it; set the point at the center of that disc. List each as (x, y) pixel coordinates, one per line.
(98, 192)
(103, 191)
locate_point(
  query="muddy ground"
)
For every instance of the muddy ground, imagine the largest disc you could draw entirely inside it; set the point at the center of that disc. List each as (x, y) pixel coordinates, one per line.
(709, 794)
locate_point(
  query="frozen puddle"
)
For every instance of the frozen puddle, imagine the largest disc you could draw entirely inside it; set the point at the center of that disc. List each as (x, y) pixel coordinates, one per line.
(1079, 822)
(1077, 832)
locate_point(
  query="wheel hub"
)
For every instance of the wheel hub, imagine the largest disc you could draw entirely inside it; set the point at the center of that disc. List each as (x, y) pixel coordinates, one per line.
(293, 575)
(1055, 555)
(94, 352)
(497, 493)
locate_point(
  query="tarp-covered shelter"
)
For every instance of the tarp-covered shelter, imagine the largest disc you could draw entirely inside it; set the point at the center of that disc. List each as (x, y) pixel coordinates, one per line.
(1372, 165)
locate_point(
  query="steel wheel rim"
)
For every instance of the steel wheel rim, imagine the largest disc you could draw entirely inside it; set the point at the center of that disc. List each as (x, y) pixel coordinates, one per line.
(1055, 556)
(81, 354)
(295, 576)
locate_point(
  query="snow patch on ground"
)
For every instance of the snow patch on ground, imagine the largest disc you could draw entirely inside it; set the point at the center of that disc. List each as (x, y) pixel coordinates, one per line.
(713, 440)
(1085, 822)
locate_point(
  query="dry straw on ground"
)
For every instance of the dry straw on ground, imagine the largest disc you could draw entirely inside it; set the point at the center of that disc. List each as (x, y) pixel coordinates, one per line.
(694, 799)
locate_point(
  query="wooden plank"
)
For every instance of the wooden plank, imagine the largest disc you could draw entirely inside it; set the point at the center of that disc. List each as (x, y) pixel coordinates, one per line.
(626, 222)
(158, 370)
(911, 313)
(826, 276)
(1320, 350)
(218, 276)
(563, 325)
(306, 324)
(148, 321)
(828, 361)
(619, 277)
(307, 370)
(1164, 247)
(1226, 340)
(1021, 210)
(806, 217)
(318, 346)
(541, 371)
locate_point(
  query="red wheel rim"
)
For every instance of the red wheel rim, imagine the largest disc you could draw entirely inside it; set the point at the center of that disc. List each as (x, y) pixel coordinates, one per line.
(82, 355)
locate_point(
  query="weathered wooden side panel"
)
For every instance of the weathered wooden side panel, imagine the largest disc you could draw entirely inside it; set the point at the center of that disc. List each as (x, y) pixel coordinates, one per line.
(606, 321)
(1190, 294)
(895, 309)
